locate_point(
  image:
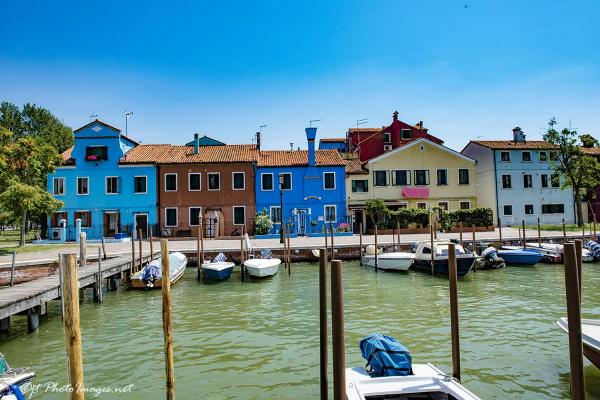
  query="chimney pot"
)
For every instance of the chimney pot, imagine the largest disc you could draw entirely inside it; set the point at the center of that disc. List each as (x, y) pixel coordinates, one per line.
(196, 144)
(258, 140)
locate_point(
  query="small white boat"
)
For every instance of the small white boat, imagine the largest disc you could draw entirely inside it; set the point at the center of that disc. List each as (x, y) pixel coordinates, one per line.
(151, 275)
(426, 382)
(397, 261)
(217, 270)
(262, 267)
(590, 336)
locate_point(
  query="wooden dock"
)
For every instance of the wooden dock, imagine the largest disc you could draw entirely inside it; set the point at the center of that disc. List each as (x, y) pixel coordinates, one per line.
(30, 298)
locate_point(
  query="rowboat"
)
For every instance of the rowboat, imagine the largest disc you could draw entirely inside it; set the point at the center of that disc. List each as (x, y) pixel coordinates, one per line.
(150, 275)
(426, 382)
(590, 336)
(396, 261)
(13, 380)
(422, 261)
(217, 270)
(262, 267)
(514, 255)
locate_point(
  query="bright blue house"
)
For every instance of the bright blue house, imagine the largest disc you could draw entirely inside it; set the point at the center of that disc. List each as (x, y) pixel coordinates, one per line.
(99, 187)
(310, 184)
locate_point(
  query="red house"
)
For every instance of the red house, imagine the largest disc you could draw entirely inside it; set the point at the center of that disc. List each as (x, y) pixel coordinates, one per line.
(372, 142)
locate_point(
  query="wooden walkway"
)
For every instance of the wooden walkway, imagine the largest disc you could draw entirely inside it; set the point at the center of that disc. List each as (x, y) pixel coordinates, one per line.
(31, 297)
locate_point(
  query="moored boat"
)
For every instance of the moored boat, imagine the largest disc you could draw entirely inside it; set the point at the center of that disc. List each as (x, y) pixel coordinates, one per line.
(489, 259)
(590, 336)
(514, 255)
(14, 381)
(264, 266)
(422, 260)
(394, 261)
(151, 275)
(218, 269)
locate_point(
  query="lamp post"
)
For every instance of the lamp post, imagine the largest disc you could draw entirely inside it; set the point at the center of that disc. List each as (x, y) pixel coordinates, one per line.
(281, 209)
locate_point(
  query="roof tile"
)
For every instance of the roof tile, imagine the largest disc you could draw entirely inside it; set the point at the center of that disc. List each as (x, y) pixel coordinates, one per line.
(287, 158)
(511, 145)
(168, 154)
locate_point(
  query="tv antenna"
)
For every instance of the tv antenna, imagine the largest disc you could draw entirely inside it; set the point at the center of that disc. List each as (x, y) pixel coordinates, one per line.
(127, 115)
(311, 122)
(260, 128)
(361, 121)
(93, 116)
(551, 123)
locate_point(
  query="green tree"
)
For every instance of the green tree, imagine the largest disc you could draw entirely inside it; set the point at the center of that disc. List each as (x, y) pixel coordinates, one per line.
(25, 163)
(588, 141)
(577, 170)
(376, 210)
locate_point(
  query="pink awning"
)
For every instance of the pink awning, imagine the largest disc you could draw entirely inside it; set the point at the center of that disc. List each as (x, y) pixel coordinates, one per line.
(415, 193)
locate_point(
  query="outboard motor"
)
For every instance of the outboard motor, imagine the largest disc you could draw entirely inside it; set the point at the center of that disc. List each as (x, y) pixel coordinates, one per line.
(491, 258)
(151, 273)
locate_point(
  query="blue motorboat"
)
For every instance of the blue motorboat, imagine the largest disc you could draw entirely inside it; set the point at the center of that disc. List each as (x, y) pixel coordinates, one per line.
(514, 255)
(218, 269)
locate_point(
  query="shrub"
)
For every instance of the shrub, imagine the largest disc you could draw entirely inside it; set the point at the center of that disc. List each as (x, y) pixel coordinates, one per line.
(262, 222)
(474, 216)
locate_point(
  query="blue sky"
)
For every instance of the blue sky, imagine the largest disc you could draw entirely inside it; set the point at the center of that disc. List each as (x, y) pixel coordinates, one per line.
(468, 69)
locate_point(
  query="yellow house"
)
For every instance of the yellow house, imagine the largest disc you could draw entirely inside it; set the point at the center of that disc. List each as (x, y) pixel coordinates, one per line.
(420, 174)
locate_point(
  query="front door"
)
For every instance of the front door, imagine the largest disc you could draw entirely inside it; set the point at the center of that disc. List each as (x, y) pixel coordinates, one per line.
(358, 219)
(141, 222)
(111, 223)
(301, 222)
(212, 223)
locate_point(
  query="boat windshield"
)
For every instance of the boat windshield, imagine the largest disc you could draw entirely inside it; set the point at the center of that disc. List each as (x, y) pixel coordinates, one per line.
(442, 250)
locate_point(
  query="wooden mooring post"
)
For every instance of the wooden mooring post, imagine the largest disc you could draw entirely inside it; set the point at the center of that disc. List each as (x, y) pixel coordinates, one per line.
(454, 329)
(574, 323)
(524, 240)
(564, 229)
(167, 322)
(432, 249)
(289, 249)
(539, 232)
(151, 243)
(323, 322)
(242, 258)
(376, 250)
(332, 246)
(398, 228)
(201, 240)
(499, 231)
(103, 248)
(360, 243)
(337, 328)
(132, 269)
(284, 249)
(13, 265)
(61, 287)
(98, 291)
(579, 258)
(198, 255)
(474, 241)
(72, 325)
(82, 254)
(140, 249)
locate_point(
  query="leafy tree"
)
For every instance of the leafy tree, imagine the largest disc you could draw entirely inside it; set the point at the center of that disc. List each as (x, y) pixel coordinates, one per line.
(376, 210)
(588, 141)
(577, 170)
(24, 165)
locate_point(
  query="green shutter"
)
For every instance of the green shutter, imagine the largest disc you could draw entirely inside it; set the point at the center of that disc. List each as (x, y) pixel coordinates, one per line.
(353, 186)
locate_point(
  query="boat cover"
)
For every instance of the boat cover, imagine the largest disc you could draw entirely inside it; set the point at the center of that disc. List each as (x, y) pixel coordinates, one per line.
(219, 258)
(594, 248)
(15, 392)
(152, 272)
(266, 254)
(385, 356)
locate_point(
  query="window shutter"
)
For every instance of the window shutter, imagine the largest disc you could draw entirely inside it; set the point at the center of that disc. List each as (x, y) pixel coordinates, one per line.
(366, 185)
(353, 186)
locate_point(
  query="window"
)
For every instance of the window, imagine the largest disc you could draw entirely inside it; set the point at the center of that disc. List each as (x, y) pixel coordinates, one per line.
(527, 182)
(421, 177)
(58, 186)
(83, 185)
(266, 181)
(329, 180)
(555, 180)
(85, 217)
(330, 214)
(239, 180)
(380, 178)
(464, 205)
(422, 205)
(442, 176)
(170, 182)
(543, 156)
(194, 182)
(57, 217)
(508, 210)
(544, 180)
(553, 208)
(140, 184)
(506, 182)
(526, 156)
(505, 156)
(195, 215)
(386, 137)
(239, 215)
(529, 209)
(276, 214)
(214, 181)
(463, 176)
(443, 205)
(401, 177)
(112, 185)
(406, 133)
(287, 181)
(170, 217)
(96, 153)
(360, 186)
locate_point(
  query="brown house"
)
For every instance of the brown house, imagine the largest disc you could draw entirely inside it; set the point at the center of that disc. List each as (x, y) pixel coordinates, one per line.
(215, 182)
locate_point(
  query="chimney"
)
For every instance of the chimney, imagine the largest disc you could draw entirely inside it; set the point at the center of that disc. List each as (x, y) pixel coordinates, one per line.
(196, 143)
(421, 125)
(291, 146)
(311, 133)
(518, 135)
(258, 140)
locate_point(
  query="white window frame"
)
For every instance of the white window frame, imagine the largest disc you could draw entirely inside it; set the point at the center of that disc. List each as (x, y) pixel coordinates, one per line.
(421, 202)
(359, 180)
(208, 174)
(106, 178)
(502, 181)
(325, 213)
(427, 177)
(190, 181)
(190, 215)
(176, 181)
(527, 188)
(233, 181)
(464, 201)
(262, 189)
(387, 178)
(389, 137)
(233, 215)
(468, 177)
(140, 176)
(176, 217)
(509, 157)
(436, 177)
(525, 209)
(64, 186)
(407, 174)
(512, 210)
(271, 213)
(77, 186)
(334, 183)
(403, 204)
(291, 181)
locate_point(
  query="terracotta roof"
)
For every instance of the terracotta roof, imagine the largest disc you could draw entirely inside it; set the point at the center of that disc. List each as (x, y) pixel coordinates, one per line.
(366, 129)
(511, 145)
(355, 167)
(286, 158)
(66, 157)
(591, 151)
(168, 154)
(332, 140)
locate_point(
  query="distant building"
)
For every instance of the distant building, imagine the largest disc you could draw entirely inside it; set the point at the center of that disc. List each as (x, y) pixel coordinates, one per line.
(337, 144)
(517, 182)
(593, 196)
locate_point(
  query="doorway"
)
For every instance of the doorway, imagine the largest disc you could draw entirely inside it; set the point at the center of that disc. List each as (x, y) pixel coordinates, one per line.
(141, 222)
(212, 223)
(111, 223)
(301, 222)
(359, 216)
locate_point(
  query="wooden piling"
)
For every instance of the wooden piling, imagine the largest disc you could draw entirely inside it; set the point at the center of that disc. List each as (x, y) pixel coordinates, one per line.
(337, 321)
(103, 248)
(460, 233)
(326, 239)
(13, 265)
(376, 250)
(398, 228)
(132, 269)
(524, 240)
(167, 322)
(579, 258)
(202, 240)
(583, 232)
(574, 323)
(72, 325)
(360, 243)
(199, 256)
(499, 231)
(332, 246)
(394, 239)
(289, 248)
(242, 256)
(140, 249)
(323, 321)
(61, 287)
(564, 229)
(539, 233)
(151, 244)
(99, 284)
(474, 241)
(284, 249)
(82, 255)
(432, 249)
(454, 330)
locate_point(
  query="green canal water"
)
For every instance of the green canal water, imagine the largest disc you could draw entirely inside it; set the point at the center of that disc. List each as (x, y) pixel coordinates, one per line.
(259, 339)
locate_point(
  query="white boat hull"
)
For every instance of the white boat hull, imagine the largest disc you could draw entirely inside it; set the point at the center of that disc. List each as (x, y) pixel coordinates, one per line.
(261, 268)
(390, 261)
(590, 336)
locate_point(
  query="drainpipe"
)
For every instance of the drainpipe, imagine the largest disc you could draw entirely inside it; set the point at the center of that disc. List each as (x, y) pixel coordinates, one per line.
(496, 187)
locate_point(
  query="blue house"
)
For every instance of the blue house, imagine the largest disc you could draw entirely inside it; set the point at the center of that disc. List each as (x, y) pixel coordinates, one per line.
(337, 144)
(99, 187)
(309, 184)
